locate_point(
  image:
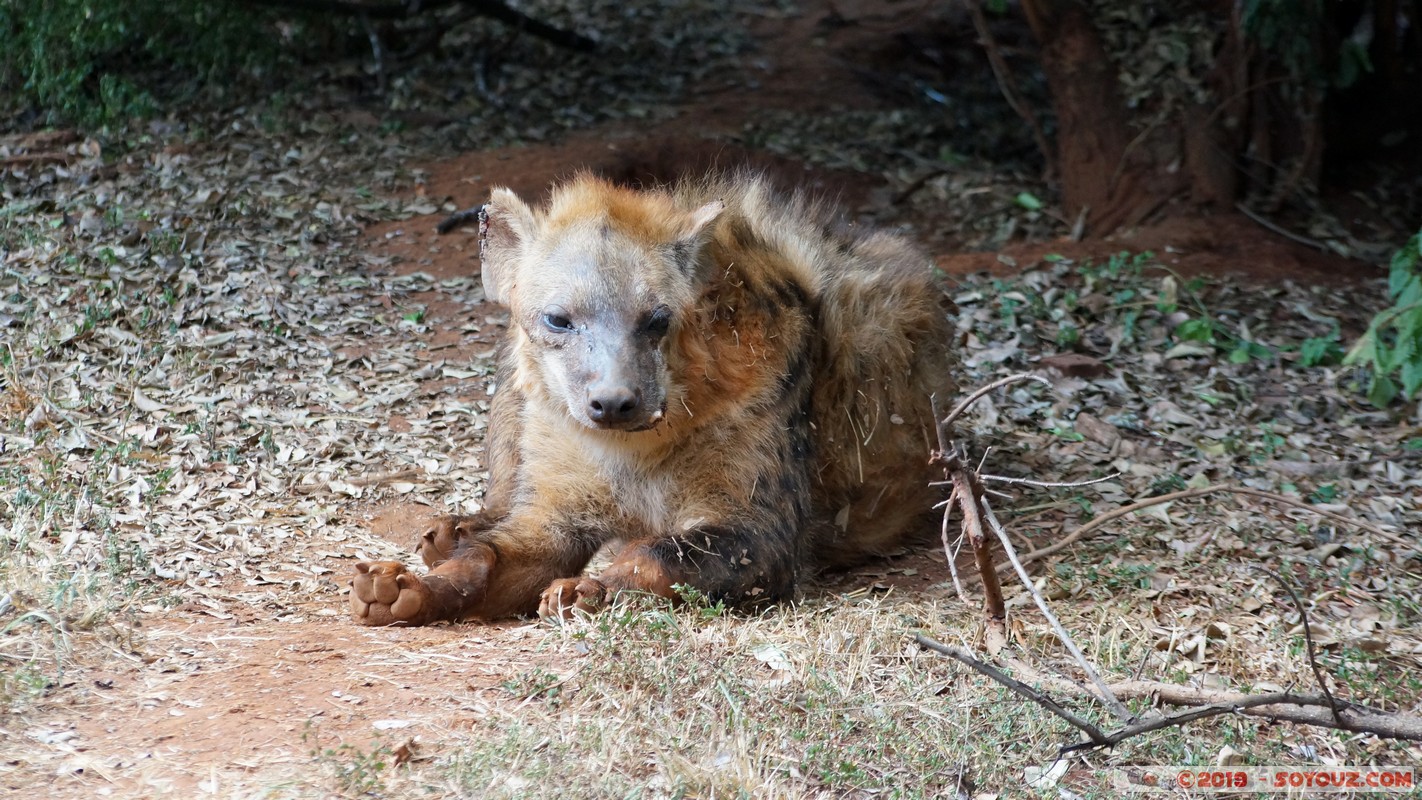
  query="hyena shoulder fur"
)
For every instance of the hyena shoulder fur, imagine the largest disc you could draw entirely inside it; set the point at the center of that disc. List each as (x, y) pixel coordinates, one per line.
(713, 375)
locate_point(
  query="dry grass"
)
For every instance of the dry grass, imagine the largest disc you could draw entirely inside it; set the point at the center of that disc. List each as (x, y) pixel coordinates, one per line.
(827, 698)
(204, 372)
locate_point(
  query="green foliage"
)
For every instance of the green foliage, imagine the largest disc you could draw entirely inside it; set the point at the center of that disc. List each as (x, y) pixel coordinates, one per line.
(1130, 301)
(355, 770)
(1286, 29)
(95, 62)
(698, 603)
(1391, 349)
(1028, 201)
(1327, 493)
(1136, 306)
(1290, 32)
(1318, 351)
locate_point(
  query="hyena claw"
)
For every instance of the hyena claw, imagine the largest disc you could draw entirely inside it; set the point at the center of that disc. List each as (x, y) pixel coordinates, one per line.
(567, 595)
(438, 542)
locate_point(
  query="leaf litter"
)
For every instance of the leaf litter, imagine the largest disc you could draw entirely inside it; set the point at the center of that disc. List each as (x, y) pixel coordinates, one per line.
(217, 396)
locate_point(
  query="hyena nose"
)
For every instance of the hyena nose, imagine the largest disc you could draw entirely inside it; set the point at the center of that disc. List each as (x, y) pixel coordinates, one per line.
(613, 405)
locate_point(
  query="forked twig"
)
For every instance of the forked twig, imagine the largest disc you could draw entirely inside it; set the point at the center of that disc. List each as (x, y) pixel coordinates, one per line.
(975, 396)
(1280, 706)
(1188, 715)
(1306, 709)
(1116, 706)
(967, 494)
(1015, 685)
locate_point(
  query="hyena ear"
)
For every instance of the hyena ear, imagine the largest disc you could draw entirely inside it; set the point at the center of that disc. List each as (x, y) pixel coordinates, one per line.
(505, 225)
(698, 225)
(695, 234)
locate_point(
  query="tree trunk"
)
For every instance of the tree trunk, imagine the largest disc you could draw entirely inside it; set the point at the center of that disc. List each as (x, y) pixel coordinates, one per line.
(1093, 131)
(1117, 169)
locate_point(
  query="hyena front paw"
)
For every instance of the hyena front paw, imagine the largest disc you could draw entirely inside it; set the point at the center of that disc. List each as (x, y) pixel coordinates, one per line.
(438, 542)
(566, 595)
(384, 593)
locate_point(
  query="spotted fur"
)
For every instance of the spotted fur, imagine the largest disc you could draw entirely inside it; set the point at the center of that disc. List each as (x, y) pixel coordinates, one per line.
(714, 375)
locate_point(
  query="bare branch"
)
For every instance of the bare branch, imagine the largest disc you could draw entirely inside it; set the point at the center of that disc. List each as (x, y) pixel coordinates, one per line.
(493, 9)
(1020, 377)
(1307, 709)
(1049, 484)
(1015, 685)
(968, 493)
(1194, 712)
(1308, 639)
(1109, 699)
(970, 503)
(1279, 229)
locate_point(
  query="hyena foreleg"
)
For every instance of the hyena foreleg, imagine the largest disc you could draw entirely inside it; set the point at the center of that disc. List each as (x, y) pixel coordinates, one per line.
(741, 542)
(495, 572)
(741, 555)
(740, 564)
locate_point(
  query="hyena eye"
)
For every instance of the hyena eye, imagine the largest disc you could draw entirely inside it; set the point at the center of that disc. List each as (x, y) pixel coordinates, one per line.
(558, 322)
(658, 323)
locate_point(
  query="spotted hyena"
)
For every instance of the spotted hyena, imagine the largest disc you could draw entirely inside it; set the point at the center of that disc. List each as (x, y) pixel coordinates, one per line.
(713, 375)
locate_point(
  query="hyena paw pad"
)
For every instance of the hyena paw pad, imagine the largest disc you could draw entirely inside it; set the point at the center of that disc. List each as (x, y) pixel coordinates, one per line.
(566, 595)
(384, 593)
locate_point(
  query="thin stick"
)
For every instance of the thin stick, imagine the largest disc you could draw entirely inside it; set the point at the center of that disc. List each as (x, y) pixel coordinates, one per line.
(1015, 685)
(1279, 229)
(1085, 530)
(949, 551)
(1191, 714)
(1307, 709)
(975, 396)
(1049, 484)
(1116, 706)
(1308, 639)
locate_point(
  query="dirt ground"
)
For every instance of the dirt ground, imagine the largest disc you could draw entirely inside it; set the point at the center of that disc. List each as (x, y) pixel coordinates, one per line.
(226, 692)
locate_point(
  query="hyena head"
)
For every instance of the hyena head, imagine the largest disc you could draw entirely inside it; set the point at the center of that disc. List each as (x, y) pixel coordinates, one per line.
(598, 284)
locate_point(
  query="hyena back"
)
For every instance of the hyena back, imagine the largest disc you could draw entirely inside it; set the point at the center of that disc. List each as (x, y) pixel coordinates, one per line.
(711, 374)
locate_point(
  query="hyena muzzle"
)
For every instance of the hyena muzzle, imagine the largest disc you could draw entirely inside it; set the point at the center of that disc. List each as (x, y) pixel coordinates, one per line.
(713, 375)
